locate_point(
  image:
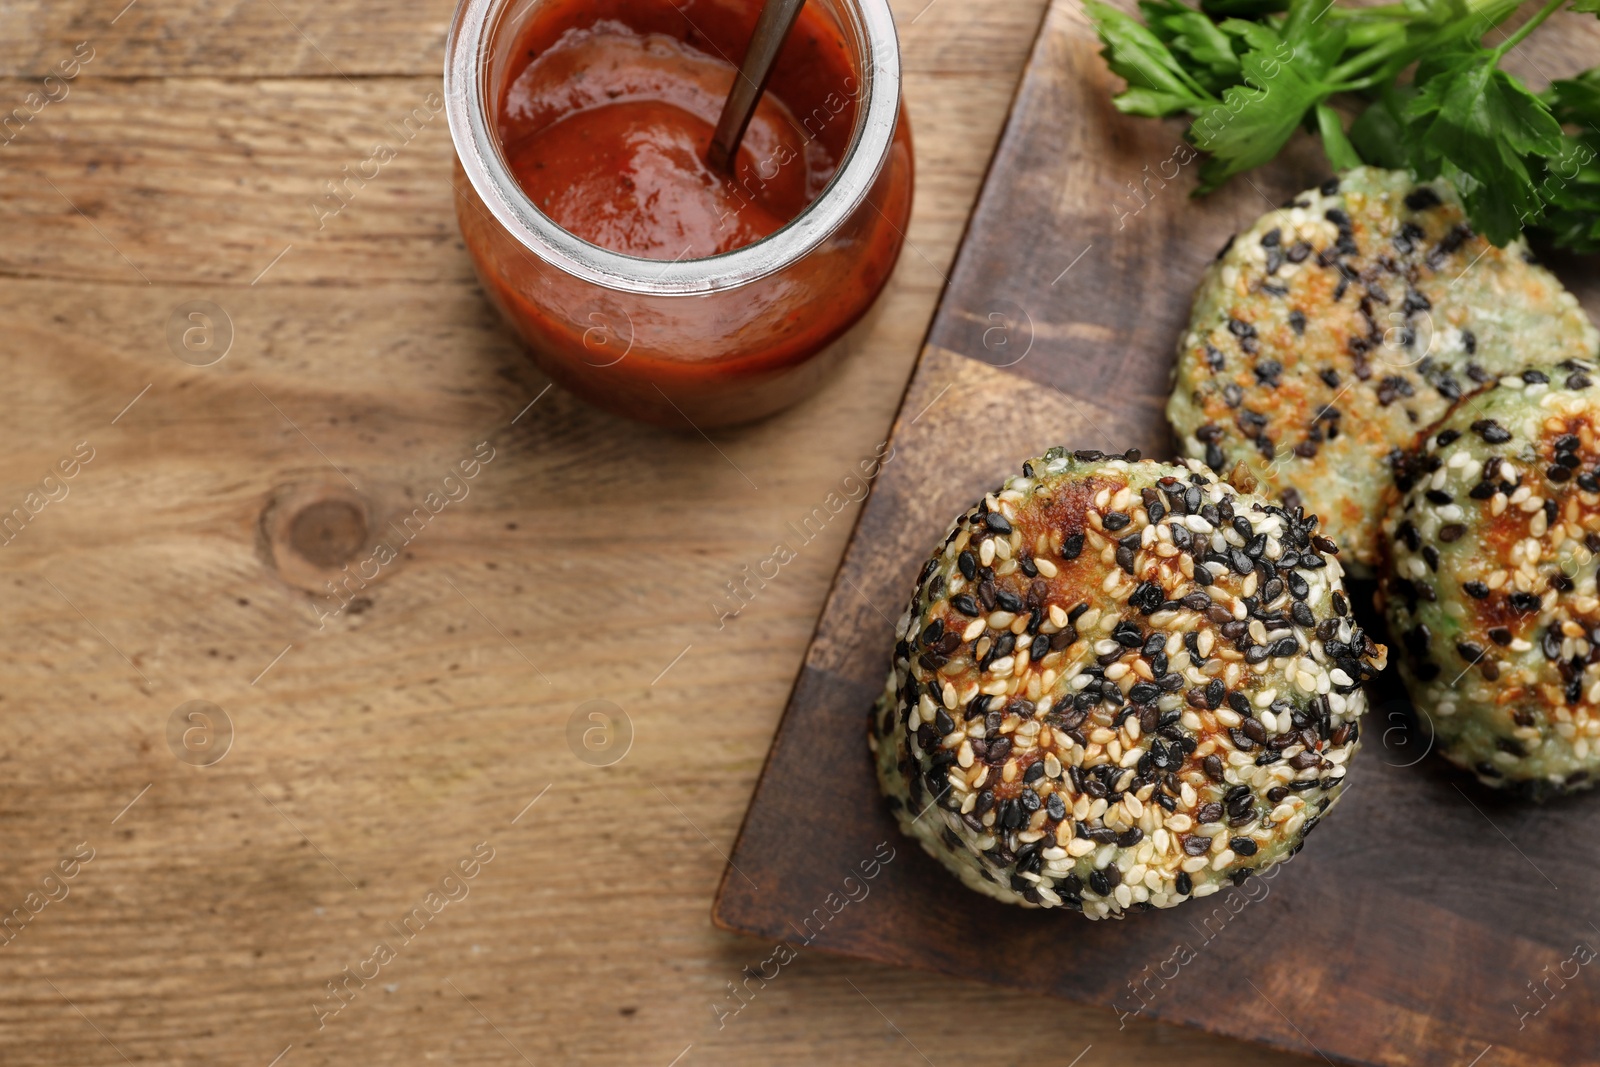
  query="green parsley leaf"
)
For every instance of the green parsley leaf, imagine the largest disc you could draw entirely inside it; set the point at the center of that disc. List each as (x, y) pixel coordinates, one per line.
(1255, 120)
(1576, 100)
(1380, 133)
(1570, 184)
(1246, 8)
(1471, 118)
(1341, 153)
(1150, 104)
(1143, 60)
(1194, 37)
(1250, 72)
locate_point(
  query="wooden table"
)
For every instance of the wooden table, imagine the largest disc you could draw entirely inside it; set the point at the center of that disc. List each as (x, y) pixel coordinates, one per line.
(376, 742)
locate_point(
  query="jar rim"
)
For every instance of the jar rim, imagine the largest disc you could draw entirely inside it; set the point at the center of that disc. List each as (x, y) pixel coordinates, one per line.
(468, 114)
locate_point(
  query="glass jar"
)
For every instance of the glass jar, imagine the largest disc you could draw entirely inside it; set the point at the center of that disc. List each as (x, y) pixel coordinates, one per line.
(709, 342)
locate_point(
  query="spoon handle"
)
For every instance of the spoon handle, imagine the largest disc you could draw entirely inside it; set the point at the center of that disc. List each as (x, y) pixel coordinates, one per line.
(772, 28)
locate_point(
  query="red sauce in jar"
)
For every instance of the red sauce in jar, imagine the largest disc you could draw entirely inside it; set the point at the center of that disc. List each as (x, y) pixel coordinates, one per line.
(607, 126)
(604, 119)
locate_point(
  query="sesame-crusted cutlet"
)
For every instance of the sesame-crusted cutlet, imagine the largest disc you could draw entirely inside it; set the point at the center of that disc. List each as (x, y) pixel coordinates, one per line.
(1493, 554)
(1120, 684)
(1335, 329)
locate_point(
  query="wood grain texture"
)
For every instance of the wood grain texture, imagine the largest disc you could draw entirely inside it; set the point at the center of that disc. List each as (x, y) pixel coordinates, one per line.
(385, 745)
(1408, 933)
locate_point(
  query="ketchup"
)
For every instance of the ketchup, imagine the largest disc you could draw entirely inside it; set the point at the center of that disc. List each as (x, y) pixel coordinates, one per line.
(607, 126)
(604, 114)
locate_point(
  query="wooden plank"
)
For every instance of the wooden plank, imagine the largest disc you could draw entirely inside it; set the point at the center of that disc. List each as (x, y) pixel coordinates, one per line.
(400, 736)
(229, 174)
(1407, 934)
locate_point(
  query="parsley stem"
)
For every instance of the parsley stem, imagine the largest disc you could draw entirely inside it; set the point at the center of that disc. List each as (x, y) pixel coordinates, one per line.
(1377, 54)
(1526, 28)
(1398, 49)
(1363, 13)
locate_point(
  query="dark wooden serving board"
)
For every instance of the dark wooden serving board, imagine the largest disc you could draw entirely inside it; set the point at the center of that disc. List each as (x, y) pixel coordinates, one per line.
(1410, 930)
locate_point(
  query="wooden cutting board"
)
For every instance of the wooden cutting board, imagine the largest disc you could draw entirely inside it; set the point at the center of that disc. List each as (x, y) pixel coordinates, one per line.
(1431, 922)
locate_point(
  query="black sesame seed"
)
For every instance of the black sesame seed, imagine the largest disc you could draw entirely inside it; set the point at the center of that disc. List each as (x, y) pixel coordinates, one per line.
(1115, 520)
(1525, 603)
(986, 591)
(1491, 431)
(1072, 547)
(1243, 846)
(964, 603)
(1422, 198)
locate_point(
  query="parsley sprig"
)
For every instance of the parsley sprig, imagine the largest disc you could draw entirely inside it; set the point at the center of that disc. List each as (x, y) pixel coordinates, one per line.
(1430, 92)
